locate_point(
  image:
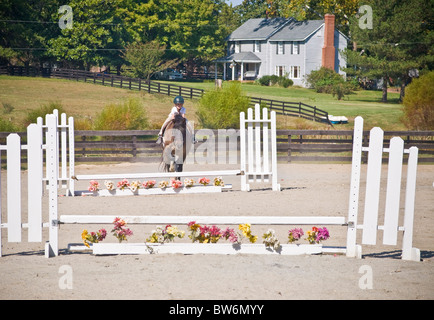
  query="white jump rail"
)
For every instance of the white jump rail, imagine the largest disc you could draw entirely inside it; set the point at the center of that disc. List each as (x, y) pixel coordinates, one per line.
(369, 226)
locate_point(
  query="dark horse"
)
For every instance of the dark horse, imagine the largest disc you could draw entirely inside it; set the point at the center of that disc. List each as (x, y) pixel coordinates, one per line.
(176, 144)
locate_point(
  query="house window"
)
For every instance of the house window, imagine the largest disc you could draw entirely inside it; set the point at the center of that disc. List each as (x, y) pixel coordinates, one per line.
(280, 47)
(280, 71)
(257, 46)
(295, 72)
(237, 47)
(295, 48)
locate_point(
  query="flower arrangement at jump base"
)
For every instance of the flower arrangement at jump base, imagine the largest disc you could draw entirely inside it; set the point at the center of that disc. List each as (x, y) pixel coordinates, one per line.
(316, 235)
(270, 240)
(120, 231)
(166, 234)
(149, 184)
(93, 237)
(135, 185)
(93, 186)
(212, 234)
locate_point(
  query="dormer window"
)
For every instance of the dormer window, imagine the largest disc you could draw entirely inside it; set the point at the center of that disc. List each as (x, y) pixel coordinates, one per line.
(237, 47)
(257, 46)
(280, 48)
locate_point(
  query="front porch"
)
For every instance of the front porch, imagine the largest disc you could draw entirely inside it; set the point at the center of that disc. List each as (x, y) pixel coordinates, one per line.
(242, 66)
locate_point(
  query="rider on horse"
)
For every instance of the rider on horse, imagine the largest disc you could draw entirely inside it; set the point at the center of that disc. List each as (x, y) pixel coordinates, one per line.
(177, 109)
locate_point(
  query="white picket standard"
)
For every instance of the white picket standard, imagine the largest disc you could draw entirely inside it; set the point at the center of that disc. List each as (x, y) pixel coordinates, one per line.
(372, 195)
(255, 164)
(255, 161)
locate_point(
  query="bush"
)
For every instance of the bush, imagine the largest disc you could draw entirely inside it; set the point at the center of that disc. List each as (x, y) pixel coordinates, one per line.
(326, 80)
(220, 109)
(129, 115)
(419, 103)
(7, 126)
(33, 115)
(273, 80)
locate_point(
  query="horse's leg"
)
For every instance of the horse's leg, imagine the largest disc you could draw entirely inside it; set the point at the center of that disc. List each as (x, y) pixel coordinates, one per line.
(178, 168)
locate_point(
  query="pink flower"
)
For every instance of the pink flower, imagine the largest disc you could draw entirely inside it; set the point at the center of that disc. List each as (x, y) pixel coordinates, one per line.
(204, 181)
(176, 184)
(230, 234)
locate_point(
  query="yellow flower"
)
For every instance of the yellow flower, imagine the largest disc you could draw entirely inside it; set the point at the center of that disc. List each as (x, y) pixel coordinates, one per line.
(84, 235)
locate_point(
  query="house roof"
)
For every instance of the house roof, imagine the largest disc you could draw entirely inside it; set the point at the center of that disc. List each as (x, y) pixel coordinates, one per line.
(247, 57)
(297, 30)
(258, 29)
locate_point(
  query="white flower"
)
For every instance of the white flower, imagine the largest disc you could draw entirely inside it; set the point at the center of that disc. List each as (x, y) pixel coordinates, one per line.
(109, 185)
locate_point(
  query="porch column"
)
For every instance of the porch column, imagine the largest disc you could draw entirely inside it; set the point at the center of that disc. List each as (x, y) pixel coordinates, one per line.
(242, 71)
(233, 71)
(215, 71)
(224, 70)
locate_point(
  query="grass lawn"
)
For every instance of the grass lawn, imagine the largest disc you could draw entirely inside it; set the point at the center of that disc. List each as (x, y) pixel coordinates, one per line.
(85, 100)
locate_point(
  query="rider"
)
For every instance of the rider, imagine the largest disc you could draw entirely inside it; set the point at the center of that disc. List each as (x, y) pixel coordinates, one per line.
(178, 109)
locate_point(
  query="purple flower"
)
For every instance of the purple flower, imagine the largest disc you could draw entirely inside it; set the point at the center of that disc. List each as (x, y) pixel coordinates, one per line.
(323, 234)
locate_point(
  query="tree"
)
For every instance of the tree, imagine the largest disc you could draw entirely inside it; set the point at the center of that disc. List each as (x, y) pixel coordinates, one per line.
(144, 59)
(95, 37)
(24, 35)
(419, 103)
(399, 41)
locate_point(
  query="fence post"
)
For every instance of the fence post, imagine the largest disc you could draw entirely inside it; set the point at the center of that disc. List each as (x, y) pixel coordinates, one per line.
(134, 151)
(140, 84)
(289, 147)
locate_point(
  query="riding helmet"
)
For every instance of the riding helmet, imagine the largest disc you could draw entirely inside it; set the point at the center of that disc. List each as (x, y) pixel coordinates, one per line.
(178, 99)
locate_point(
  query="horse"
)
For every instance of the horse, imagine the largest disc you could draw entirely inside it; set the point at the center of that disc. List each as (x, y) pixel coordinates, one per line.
(176, 144)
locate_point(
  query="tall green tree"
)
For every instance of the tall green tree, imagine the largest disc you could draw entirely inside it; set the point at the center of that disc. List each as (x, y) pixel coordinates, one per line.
(25, 28)
(400, 40)
(96, 37)
(143, 59)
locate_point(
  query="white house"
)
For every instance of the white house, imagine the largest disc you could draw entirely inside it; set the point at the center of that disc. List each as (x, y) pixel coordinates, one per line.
(283, 46)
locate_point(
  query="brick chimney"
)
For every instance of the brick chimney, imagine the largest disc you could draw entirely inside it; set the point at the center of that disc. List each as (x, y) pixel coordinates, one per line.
(328, 50)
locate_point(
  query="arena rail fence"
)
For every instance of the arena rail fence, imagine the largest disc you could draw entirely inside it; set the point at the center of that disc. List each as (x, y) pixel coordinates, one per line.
(56, 139)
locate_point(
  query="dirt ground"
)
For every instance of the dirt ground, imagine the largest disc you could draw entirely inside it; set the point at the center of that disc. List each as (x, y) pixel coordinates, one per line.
(307, 189)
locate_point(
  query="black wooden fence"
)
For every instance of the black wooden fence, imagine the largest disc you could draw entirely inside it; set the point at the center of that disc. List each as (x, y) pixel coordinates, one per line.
(293, 109)
(292, 145)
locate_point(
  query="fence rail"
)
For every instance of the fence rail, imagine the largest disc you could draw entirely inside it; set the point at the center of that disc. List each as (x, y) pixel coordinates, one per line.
(293, 109)
(292, 145)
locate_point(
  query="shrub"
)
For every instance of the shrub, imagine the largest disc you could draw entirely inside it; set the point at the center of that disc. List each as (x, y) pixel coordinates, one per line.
(129, 115)
(7, 126)
(220, 109)
(419, 103)
(326, 80)
(33, 115)
(273, 80)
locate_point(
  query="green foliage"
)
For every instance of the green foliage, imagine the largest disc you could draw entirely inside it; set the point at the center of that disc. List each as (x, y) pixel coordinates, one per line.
(44, 109)
(273, 80)
(143, 59)
(419, 103)
(326, 80)
(220, 108)
(7, 126)
(129, 115)
(400, 40)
